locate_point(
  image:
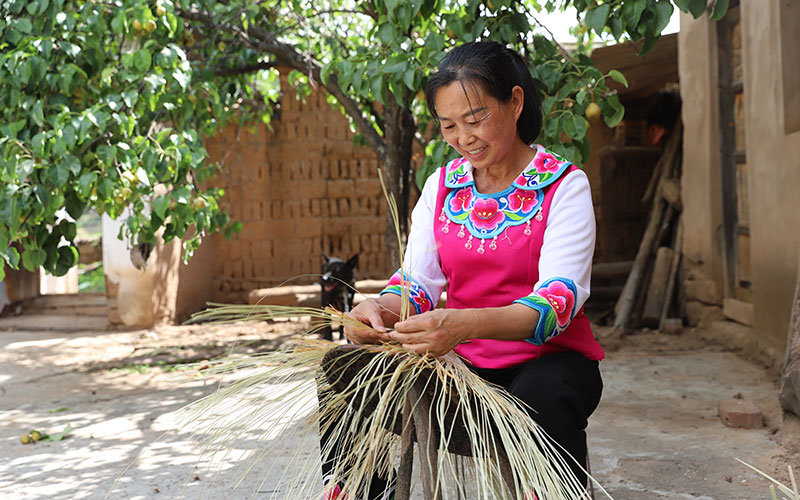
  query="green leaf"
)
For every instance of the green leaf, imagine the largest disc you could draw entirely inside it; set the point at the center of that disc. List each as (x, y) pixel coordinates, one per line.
(344, 73)
(395, 66)
(85, 182)
(68, 229)
(664, 11)
(33, 258)
(613, 111)
(58, 174)
(129, 97)
(596, 18)
(325, 72)
(650, 40)
(69, 135)
(719, 9)
(385, 33)
(697, 7)
(67, 257)
(632, 12)
(160, 206)
(617, 26)
(682, 5)
(38, 144)
(38, 114)
(408, 79)
(11, 256)
(519, 23)
(618, 77)
(38, 68)
(575, 127)
(24, 25)
(58, 436)
(107, 154)
(74, 206)
(142, 60)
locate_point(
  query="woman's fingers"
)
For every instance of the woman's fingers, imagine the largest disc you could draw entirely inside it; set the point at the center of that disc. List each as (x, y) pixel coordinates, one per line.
(436, 332)
(367, 313)
(418, 323)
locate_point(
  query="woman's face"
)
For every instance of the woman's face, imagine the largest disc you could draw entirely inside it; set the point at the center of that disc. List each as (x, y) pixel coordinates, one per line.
(481, 128)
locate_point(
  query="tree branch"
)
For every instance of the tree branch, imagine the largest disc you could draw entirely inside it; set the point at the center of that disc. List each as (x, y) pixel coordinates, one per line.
(258, 38)
(240, 70)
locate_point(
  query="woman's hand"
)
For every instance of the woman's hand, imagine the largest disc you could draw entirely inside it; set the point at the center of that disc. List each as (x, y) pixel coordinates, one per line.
(435, 332)
(367, 312)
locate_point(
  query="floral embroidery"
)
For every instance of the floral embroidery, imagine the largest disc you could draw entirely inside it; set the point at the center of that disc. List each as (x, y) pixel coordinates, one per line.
(545, 169)
(486, 214)
(546, 162)
(555, 301)
(335, 493)
(418, 296)
(459, 172)
(561, 299)
(461, 199)
(521, 200)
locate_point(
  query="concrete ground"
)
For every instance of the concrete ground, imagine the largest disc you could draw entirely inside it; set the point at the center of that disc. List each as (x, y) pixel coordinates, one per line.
(656, 434)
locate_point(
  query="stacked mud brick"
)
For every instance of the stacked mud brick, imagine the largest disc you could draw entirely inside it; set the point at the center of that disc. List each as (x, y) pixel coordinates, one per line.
(302, 189)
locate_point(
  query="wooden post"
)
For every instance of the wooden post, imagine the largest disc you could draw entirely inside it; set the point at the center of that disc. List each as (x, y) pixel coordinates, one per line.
(403, 491)
(673, 274)
(427, 442)
(790, 378)
(655, 297)
(632, 284)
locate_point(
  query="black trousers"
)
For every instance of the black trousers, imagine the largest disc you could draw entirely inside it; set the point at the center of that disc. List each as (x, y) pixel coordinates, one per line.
(562, 390)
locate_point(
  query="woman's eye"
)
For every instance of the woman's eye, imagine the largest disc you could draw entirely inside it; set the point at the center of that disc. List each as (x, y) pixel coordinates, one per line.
(448, 127)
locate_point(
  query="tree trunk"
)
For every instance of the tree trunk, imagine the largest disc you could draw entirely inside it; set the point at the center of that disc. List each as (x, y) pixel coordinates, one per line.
(790, 379)
(399, 137)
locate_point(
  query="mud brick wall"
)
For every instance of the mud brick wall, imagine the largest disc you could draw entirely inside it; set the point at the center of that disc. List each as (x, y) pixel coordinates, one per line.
(302, 189)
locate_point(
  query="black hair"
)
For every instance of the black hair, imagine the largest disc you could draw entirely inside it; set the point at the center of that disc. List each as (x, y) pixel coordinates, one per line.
(497, 70)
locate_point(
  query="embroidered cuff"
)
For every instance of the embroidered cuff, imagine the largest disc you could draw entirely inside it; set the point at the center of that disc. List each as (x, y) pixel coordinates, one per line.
(555, 301)
(418, 296)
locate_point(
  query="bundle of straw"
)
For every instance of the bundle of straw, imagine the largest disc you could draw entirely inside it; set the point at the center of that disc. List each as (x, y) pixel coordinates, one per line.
(363, 392)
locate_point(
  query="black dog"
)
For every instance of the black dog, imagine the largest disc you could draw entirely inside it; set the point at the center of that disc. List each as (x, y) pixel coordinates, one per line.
(338, 280)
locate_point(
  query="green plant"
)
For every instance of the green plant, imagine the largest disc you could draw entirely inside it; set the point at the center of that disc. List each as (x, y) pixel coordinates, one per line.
(91, 279)
(102, 102)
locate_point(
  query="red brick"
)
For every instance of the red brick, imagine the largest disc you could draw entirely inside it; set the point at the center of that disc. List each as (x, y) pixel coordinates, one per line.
(740, 413)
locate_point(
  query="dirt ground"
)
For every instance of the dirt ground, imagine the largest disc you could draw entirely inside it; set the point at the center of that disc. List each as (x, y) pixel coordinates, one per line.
(656, 434)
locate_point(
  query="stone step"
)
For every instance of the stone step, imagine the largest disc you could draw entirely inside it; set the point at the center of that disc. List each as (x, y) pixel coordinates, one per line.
(83, 304)
(31, 322)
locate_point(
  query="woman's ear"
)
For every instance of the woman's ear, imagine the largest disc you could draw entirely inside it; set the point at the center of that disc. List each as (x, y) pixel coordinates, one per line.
(517, 100)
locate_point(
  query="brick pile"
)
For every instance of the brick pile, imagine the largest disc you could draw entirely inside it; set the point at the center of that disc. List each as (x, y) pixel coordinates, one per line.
(302, 189)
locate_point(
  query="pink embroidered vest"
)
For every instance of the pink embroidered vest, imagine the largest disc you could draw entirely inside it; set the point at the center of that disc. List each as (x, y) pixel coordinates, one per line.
(491, 259)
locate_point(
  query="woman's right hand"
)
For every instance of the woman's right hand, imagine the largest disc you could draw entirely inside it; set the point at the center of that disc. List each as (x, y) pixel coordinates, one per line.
(367, 312)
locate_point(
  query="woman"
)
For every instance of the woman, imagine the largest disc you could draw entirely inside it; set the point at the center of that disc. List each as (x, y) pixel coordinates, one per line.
(509, 229)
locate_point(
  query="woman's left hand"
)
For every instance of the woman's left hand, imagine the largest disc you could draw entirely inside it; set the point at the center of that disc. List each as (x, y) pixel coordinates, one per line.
(435, 332)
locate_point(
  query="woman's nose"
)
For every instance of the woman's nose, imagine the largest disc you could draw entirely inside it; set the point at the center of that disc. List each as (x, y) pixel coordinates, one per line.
(466, 139)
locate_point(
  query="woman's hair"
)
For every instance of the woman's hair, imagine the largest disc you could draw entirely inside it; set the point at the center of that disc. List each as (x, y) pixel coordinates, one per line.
(496, 70)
